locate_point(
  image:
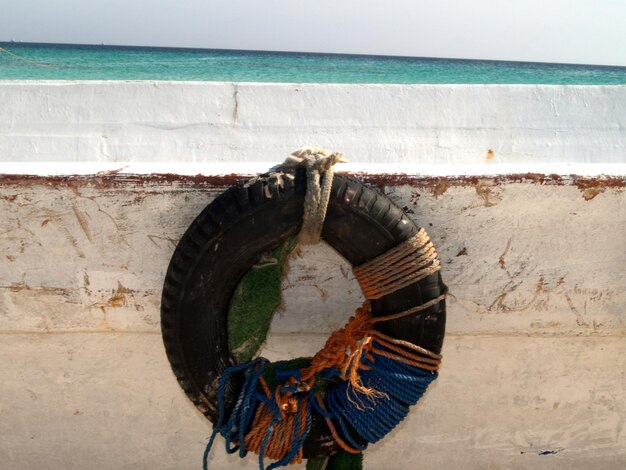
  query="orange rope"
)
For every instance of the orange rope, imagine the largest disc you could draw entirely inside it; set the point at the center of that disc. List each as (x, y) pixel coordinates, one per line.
(407, 263)
(345, 348)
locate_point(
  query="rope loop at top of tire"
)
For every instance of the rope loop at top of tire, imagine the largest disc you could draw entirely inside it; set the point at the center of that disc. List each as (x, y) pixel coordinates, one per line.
(319, 164)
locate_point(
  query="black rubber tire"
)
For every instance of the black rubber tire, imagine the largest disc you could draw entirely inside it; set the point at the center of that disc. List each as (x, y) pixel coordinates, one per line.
(229, 236)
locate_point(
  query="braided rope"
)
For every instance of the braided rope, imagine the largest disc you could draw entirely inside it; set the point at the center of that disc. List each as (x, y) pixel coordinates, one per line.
(407, 263)
(319, 164)
(381, 375)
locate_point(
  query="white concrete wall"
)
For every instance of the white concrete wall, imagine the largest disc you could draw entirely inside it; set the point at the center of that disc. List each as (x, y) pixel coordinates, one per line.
(212, 122)
(520, 258)
(534, 357)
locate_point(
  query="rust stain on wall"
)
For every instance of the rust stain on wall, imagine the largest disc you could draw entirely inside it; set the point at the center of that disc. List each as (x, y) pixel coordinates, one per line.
(118, 299)
(440, 188)
(113, 180)
(590, 193)
(19, 287)
(438, 184)
(484, 193)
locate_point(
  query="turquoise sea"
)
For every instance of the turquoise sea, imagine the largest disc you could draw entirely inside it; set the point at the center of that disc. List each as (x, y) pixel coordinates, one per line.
(83, 62)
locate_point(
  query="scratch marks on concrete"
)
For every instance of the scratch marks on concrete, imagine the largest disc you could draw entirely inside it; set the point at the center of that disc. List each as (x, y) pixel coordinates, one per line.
(543, 452)
(519, 304)
(169, 241)
(19, 287)
(501, 260)
(462, 252)
(510, 256)
(69, 236)
(575, 311)
(84, 224)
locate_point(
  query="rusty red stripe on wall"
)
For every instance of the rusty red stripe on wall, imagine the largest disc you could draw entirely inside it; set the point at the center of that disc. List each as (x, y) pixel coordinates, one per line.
(437, 184)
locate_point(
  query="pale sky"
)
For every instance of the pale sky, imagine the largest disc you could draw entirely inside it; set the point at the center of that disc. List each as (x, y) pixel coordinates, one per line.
(566, 31)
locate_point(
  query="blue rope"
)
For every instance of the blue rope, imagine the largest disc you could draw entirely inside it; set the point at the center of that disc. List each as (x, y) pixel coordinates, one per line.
(373, 418)
(243, 411)
(361, 418)
(236, 426)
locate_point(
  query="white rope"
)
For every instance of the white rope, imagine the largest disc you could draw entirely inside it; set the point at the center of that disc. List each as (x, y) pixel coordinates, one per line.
(319, 164)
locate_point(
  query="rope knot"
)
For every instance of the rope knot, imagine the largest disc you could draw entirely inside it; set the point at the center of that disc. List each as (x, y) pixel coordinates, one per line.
(344, 351)
(319, 164)
(288, 404)
(325, 158)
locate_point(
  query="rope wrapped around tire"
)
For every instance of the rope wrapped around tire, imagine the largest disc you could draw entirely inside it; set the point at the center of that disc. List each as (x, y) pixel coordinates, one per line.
(227, 239)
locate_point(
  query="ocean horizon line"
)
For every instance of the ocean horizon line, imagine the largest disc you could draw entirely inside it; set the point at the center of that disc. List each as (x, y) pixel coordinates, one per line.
(286, 52)
(50, 61)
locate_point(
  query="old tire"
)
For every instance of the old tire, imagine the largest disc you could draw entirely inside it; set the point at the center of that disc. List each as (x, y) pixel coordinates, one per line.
(229, 236)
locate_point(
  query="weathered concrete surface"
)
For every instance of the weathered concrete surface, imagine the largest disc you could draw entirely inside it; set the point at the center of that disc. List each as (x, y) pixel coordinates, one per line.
(243, 122)
(520, 258)
(109, 400)
(534, 357)
(534, 256)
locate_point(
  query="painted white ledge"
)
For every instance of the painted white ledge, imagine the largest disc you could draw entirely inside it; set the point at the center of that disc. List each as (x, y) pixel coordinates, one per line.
(248, 122)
